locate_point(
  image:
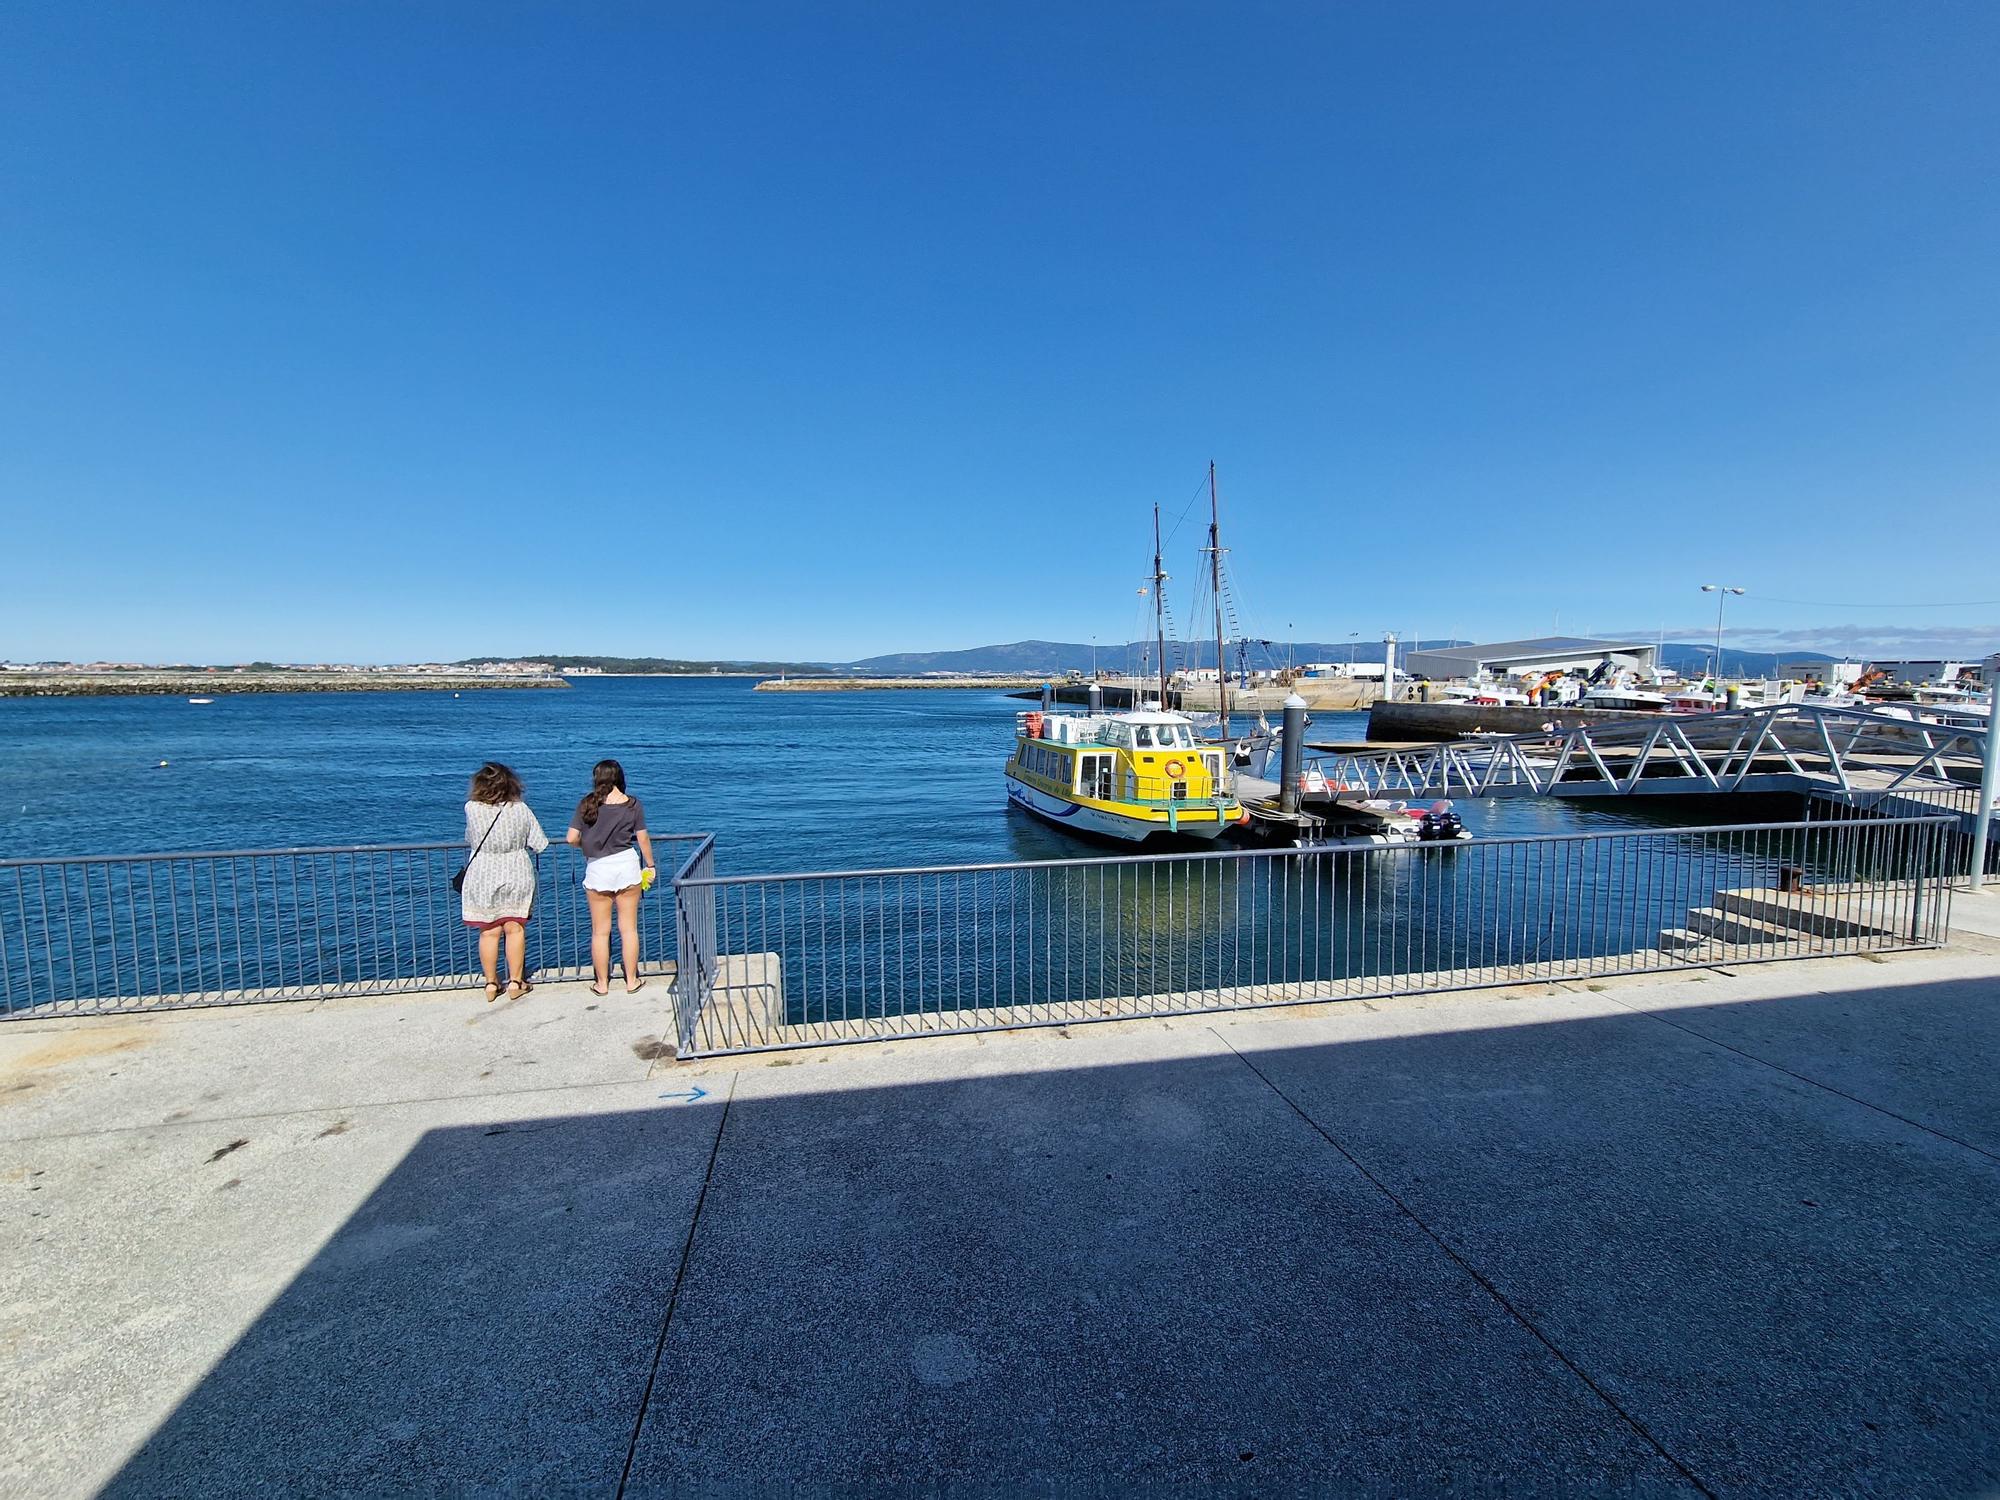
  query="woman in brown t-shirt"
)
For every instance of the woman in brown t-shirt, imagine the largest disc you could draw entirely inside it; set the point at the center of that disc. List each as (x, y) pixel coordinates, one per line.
(607, 825)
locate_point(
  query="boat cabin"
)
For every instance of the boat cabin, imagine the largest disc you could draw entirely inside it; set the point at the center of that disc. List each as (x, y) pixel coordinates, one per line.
(1142, 757)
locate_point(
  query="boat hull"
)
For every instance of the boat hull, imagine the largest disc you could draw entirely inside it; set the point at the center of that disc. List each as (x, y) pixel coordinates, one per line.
(1080, 818)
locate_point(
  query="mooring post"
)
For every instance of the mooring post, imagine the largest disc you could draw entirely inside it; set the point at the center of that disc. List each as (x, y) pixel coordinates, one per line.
(1989, 774)
(1291, 763)
(1095, 694)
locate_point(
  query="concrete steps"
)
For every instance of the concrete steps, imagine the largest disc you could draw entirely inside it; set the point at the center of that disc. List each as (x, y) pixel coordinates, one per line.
(1834, 912)
(1732, 927)
(1759, 922)
(1703, 948)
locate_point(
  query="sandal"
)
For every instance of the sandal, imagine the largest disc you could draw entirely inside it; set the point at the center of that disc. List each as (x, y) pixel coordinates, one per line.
(492, 993)
(518, 988)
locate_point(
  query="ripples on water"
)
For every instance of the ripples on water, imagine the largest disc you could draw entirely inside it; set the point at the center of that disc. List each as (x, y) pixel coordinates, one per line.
(787, 781)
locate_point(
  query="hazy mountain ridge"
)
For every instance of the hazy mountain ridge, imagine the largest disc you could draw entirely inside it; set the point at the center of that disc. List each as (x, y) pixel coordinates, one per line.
(1054, 658)
(1029, 658)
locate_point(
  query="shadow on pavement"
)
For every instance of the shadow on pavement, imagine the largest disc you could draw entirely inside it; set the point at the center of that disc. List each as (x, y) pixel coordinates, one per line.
(1598, 1254)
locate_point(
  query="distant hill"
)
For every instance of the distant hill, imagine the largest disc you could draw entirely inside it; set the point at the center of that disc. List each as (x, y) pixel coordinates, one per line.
(1029, 658)
(1033, 658)
(1691, 660)
(1053, 658)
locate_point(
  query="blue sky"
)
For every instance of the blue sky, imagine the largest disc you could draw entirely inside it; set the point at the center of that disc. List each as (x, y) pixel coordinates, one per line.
(372, 331)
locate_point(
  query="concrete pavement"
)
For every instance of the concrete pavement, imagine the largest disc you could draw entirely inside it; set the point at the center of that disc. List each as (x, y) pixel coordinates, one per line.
(1730, 1232)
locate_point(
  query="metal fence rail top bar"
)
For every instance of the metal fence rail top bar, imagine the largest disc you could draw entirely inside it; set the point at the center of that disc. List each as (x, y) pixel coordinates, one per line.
(431, 846)
(1197, 856)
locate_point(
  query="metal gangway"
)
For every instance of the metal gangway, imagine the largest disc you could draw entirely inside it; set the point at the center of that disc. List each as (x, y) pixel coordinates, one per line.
(1847, 757)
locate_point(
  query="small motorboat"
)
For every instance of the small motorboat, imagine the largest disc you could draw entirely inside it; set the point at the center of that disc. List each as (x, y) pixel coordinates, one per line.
(201, 700)
(1630, 699)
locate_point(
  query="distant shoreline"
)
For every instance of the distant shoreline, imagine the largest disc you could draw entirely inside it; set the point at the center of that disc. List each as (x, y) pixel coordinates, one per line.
(232, 684)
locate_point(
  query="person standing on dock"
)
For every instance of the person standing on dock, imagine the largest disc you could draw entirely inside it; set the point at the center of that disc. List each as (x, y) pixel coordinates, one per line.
(498, 892)
(607, 826)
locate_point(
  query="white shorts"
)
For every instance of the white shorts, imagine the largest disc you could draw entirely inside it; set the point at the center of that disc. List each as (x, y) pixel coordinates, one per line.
(612, 872)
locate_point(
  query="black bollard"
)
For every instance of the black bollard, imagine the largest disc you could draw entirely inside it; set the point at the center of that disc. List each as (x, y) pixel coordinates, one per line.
(1292, 761)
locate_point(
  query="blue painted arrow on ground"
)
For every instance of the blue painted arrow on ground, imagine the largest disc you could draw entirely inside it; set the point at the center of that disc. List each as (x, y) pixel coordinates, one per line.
(697, 1092)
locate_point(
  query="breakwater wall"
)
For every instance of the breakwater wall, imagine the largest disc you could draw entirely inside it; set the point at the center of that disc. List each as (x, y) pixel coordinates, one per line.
(219, 684)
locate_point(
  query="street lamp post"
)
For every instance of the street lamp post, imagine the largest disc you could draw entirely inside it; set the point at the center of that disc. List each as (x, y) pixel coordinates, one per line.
(1722, 591)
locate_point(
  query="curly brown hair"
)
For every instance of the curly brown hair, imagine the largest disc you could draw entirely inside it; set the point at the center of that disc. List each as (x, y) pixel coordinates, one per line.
(495, 784)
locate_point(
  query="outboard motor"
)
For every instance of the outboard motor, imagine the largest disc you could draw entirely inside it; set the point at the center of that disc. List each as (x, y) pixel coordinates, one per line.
(1439, 824)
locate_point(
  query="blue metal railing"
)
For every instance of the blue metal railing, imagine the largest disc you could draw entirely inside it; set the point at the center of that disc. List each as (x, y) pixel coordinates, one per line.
(159, 930)
(787, 960)
(859, 955)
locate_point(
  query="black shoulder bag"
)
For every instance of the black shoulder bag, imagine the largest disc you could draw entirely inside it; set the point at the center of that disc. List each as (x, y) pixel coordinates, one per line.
(458, 880)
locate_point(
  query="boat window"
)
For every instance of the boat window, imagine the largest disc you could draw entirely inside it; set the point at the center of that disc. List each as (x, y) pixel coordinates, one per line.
(1142, 736)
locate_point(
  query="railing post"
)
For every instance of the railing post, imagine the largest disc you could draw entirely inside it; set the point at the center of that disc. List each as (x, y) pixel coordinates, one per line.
(694, 920)
(1989, 783)
(1917, 885)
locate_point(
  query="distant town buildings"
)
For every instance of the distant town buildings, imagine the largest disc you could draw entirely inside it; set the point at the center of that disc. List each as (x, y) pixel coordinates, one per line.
(326, 668)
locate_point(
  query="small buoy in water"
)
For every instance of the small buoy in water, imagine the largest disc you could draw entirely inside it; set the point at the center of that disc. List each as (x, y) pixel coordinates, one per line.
(162, 765)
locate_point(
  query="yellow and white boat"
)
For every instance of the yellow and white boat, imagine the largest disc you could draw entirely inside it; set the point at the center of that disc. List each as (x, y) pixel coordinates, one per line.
(1131, 776)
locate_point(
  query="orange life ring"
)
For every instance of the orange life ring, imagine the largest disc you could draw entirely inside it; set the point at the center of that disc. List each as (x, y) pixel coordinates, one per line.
(1175, 770)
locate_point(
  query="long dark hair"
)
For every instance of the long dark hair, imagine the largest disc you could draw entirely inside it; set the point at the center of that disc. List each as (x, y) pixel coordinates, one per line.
(606, 776)
(495, 784)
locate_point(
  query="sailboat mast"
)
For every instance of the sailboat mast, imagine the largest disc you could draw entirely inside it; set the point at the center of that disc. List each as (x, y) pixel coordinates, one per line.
(1215, 587)
(1159, 608)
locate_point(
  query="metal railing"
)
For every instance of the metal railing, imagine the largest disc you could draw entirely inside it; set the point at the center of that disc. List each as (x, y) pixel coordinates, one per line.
(153, 931)
(789, 960)
(1864, 758)
(811, 959)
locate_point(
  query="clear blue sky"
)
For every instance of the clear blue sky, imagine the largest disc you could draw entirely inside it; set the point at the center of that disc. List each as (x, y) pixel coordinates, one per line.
(378, 331)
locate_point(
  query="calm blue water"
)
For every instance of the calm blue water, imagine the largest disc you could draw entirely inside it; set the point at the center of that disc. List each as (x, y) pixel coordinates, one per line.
(788, 781)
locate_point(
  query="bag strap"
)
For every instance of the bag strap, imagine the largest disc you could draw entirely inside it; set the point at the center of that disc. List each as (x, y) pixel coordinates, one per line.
(499, 813)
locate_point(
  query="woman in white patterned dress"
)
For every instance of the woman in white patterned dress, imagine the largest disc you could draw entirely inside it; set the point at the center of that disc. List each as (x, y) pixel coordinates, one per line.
(499, 893)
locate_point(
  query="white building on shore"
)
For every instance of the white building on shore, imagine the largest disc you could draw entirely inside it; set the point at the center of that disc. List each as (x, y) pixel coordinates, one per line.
(1549, 653)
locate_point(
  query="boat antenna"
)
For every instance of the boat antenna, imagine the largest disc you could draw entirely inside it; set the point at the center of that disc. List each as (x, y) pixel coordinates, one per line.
(1215, 582)
(1159, 607)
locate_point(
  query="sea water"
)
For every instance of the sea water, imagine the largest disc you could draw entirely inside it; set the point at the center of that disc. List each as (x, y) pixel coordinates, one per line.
(786, 780)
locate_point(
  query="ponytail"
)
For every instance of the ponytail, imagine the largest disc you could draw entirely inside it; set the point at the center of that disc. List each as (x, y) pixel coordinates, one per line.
(605, 777)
